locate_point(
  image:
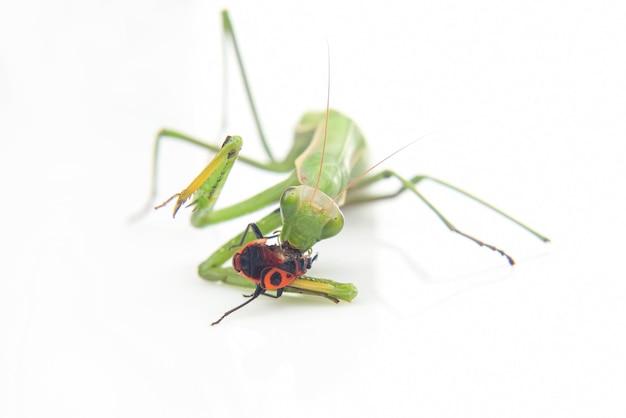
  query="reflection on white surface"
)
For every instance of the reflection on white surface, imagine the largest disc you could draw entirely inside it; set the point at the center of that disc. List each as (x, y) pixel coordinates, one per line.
(526, 104)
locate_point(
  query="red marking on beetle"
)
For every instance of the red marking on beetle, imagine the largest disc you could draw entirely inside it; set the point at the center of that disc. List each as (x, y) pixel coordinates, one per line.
(270, 266)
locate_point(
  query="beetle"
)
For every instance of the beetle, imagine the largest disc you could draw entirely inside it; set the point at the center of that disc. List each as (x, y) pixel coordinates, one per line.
(270, 266)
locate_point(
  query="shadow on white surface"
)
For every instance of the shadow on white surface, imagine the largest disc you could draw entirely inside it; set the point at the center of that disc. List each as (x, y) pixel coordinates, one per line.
(526, 101)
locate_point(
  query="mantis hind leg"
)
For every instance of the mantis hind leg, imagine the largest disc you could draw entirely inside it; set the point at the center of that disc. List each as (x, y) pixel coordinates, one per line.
(410, 185)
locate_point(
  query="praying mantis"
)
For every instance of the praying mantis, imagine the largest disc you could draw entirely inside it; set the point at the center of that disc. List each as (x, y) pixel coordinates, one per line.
(326, 160)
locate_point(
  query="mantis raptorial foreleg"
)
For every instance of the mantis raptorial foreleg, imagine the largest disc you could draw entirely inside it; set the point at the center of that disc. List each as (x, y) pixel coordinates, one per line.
(212, 268)
(266, 197)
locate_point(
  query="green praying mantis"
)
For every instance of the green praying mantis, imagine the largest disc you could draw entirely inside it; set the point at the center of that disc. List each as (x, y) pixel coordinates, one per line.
(326, 160)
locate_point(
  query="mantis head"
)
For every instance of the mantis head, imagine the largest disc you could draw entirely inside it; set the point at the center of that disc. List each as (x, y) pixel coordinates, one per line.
(308, 216)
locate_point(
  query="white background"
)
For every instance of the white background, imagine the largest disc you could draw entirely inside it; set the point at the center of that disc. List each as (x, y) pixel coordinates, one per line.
(525, 106)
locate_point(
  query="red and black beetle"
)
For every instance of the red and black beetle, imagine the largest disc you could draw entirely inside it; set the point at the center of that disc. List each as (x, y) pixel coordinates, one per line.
(271, 267)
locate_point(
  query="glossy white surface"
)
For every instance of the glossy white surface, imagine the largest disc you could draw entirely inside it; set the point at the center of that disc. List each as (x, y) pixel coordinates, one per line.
(524, 104)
